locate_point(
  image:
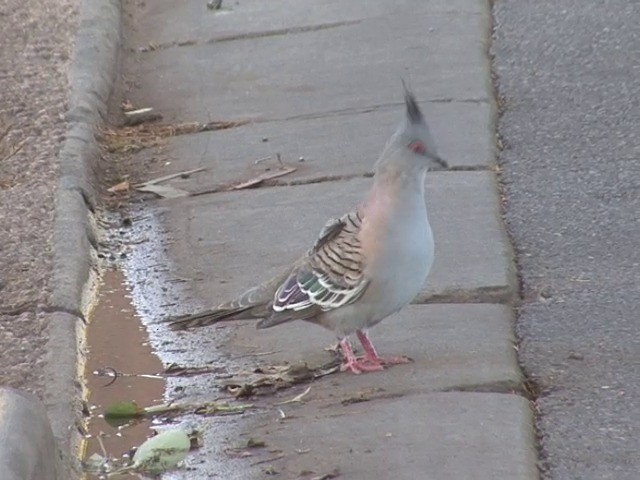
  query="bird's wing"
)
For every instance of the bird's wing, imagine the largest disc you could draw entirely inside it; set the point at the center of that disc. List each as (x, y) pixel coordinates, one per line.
(253, 303)
(331, 276)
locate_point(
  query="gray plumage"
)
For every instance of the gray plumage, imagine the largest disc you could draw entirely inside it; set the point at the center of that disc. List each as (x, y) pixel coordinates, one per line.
(364, 266)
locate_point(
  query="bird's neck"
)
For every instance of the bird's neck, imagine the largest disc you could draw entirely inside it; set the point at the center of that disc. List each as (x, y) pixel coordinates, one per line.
(399, 179)
(398, 164)
(395, 189)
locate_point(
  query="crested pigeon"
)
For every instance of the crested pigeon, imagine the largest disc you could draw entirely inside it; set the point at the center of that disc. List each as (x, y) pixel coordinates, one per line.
(364, 266)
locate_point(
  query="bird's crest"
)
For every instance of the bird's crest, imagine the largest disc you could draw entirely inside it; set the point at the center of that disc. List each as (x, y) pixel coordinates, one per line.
(414, 114)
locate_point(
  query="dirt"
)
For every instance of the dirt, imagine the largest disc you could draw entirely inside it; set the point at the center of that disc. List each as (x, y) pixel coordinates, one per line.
(35, 54)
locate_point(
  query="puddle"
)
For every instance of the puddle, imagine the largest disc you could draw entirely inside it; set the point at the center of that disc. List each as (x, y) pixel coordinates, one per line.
(116, 339)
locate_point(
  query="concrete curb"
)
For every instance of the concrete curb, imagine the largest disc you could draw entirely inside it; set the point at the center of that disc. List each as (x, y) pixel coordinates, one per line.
(28, 450)
(92, 76)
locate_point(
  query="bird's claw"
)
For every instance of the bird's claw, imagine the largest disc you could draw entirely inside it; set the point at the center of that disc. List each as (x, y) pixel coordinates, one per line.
(360, 365)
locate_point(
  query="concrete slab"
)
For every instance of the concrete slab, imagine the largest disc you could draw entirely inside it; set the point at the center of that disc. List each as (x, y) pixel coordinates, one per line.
(455, 435)
(167, 23)
(337, 147)
(332, 69)
(216, 236)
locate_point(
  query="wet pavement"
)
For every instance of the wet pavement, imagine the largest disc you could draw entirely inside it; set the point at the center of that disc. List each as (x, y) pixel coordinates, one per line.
(322, 90)
(117, 344)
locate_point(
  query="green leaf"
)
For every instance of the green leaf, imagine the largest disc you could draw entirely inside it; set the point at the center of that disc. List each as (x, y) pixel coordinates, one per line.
(162, 452)
(123, 410)
(95, 464)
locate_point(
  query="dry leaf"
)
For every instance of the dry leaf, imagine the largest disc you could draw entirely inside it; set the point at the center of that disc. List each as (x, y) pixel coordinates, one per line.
(120, 187)
(263, 177)
(164, 191)
(297, 398)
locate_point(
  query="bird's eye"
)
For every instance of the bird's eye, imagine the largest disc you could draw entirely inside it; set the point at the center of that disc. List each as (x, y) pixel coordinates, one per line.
(418, 147)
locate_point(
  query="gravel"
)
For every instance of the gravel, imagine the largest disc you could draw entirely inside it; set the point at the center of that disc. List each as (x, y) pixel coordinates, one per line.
(37, 41)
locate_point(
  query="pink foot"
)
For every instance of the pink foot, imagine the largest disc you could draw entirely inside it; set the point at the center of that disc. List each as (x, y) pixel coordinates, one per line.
(357, 365)
(394, 360)
(372, 356)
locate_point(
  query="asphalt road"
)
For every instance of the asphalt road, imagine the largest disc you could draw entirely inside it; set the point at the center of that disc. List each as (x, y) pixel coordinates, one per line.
(569, 72)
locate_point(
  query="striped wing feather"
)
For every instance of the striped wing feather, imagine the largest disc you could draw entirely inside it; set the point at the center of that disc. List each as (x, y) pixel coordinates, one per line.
(330, 277)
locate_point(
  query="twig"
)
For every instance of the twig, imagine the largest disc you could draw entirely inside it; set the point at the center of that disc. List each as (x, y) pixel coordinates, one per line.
(104, 450)
(259, 354)
(265, 176)
(114, 374)
(297, 398)
(14, 150)
(267, 460)
(169, 177)
(6, 131)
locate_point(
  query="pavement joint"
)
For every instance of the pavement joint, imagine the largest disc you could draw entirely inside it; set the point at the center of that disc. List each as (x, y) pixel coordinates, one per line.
(282, 183)
(245, 36)
(351, 111)
(506, 387)
(368, 109)
(490, 295)
(495, 294)
(70, 311)
(470, 168)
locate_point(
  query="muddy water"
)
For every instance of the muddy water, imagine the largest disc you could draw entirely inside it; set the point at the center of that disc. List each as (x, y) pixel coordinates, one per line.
(116, 339)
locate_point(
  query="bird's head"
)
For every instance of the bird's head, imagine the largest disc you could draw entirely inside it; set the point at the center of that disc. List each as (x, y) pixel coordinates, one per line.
(413, 136)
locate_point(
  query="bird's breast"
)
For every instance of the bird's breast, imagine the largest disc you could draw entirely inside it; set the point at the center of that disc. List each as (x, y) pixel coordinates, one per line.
(402, 255)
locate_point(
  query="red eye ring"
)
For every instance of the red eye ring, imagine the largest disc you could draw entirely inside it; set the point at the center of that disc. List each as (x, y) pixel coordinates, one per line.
(418, 147)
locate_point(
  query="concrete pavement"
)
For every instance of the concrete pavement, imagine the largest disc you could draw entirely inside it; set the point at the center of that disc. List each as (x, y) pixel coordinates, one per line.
(322, 84)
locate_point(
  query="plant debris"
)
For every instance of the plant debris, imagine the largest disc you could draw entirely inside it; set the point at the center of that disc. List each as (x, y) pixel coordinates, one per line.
(120, 187)
(124, 410)
(363, 396)
(131, 139)
(7, 151)
(114, 374)
(270, 470)
(253, 443)
(297, 398)
(254, 182)
(164, 178)
(162, 452)
(141, 115)
(267, 460)
(335, 473)
(175, 370)
(268, 379)
(167, 191)
(130, 410)
(154, 456)
(164, 191)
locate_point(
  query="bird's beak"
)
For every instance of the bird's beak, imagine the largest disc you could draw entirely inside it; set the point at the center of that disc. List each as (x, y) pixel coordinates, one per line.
(439, 163)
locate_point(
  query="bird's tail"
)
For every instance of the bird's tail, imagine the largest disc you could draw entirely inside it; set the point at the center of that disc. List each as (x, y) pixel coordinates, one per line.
(208, 317)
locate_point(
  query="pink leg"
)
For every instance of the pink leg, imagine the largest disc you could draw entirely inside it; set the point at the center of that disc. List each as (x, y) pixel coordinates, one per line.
(354, 364)
(371, 356)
